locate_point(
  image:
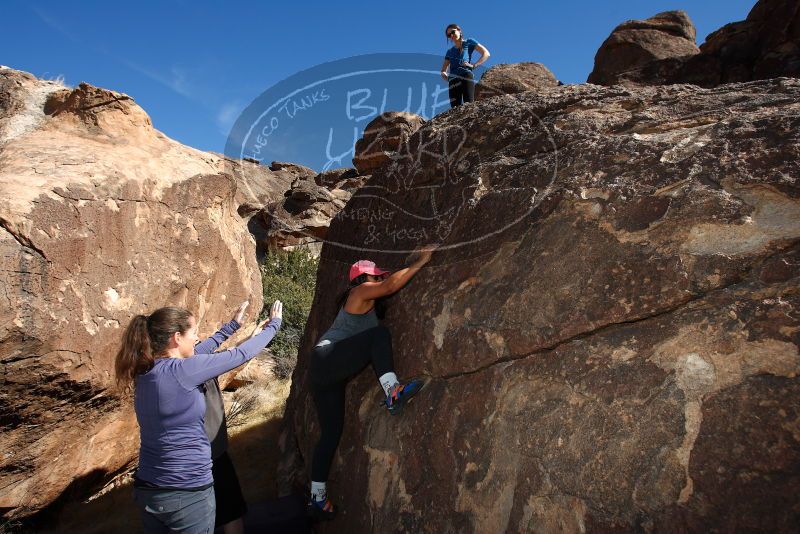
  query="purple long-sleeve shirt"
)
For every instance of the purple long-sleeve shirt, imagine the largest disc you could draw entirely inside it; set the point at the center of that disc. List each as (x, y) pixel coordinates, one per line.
(170, 408)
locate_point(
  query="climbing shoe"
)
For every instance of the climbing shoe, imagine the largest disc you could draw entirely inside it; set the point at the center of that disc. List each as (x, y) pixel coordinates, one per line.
(321, 510)
(401, 394)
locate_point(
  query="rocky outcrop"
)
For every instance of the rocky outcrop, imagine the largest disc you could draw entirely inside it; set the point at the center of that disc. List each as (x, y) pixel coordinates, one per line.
(384, 135)
(346, 178)
(512, 78)
(636, 43)
(295, 168)
(22, 98)
(102, 217)
(302, 217)
(258, 186)
(301, 214)
(765, 45)
(289, 205)
(610, 326)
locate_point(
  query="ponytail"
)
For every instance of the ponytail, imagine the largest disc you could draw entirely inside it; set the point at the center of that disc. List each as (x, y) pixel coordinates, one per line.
(380, 305)
(145, 339)
(357, 281)
(135, 356)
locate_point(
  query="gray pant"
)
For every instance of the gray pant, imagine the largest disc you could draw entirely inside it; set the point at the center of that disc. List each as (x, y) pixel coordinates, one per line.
(190, 512)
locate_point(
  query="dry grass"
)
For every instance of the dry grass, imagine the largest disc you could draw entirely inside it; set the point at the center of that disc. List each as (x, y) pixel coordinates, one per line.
(256, 402)
(253, 443)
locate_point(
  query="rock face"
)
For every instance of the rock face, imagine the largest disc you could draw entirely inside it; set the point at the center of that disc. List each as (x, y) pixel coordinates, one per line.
(636, 43)
(610, 327)
(302, 216)
(765, 45)
(102, 217)
(508, 79)
(383, 136)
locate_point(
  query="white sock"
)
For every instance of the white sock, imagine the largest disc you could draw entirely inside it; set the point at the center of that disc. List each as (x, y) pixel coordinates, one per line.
(388, 381)
(319, 491)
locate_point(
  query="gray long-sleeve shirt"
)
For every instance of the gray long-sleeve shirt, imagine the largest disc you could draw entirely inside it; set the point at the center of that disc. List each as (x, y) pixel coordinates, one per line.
(175, 451)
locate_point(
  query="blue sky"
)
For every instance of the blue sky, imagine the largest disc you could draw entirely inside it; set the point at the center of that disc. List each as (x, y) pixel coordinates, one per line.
(194, 66)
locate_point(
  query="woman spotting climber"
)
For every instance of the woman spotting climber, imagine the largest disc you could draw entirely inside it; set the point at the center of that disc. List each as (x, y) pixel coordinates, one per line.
(173, 485)
(355, 340)
(459, 58)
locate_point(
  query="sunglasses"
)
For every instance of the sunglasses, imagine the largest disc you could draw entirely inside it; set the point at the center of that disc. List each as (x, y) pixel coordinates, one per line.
(451, 33)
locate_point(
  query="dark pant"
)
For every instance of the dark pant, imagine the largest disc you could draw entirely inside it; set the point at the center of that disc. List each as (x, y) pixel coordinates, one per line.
(190, 512)
(462, 89)
(332, 366)
(227, 491)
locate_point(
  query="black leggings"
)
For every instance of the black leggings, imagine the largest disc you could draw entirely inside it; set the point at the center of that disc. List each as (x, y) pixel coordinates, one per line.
(462, 89)
(332, 366)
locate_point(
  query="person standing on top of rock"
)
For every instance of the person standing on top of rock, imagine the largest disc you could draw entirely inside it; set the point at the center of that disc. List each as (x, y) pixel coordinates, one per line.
(173, 485)
(230, 503)
(459, 60)
(355, 340)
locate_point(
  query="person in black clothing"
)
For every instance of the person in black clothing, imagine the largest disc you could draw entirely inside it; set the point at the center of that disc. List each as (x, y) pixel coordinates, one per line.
(459, 61)
(355, 340)
(231, 506)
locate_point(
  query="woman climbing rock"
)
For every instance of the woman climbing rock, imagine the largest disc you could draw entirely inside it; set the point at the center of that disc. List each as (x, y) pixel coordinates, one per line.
(355, 340)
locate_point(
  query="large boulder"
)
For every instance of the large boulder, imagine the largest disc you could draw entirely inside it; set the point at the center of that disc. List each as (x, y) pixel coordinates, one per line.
(512, 78)
(102, 217)
(610, 327)
(635, 43)
(302, 217)
(385, 135)
(284, 205)
(765, 45)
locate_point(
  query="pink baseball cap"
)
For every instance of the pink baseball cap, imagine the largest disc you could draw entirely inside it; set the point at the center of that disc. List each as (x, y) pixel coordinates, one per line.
(365, 267)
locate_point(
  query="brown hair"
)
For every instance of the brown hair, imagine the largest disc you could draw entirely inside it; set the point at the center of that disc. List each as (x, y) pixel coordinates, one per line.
(450, 27)
(145, 339)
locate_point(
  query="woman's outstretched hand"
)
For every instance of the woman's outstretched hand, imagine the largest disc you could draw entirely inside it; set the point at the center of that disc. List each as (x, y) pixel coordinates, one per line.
(422, 255)
(240, 312)
(275, 312)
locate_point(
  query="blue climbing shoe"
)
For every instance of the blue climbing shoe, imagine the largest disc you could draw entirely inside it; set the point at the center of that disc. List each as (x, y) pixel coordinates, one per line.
(401, 394)
(320, 510)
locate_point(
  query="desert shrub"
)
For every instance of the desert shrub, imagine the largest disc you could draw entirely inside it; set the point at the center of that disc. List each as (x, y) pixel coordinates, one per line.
(289, 277)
